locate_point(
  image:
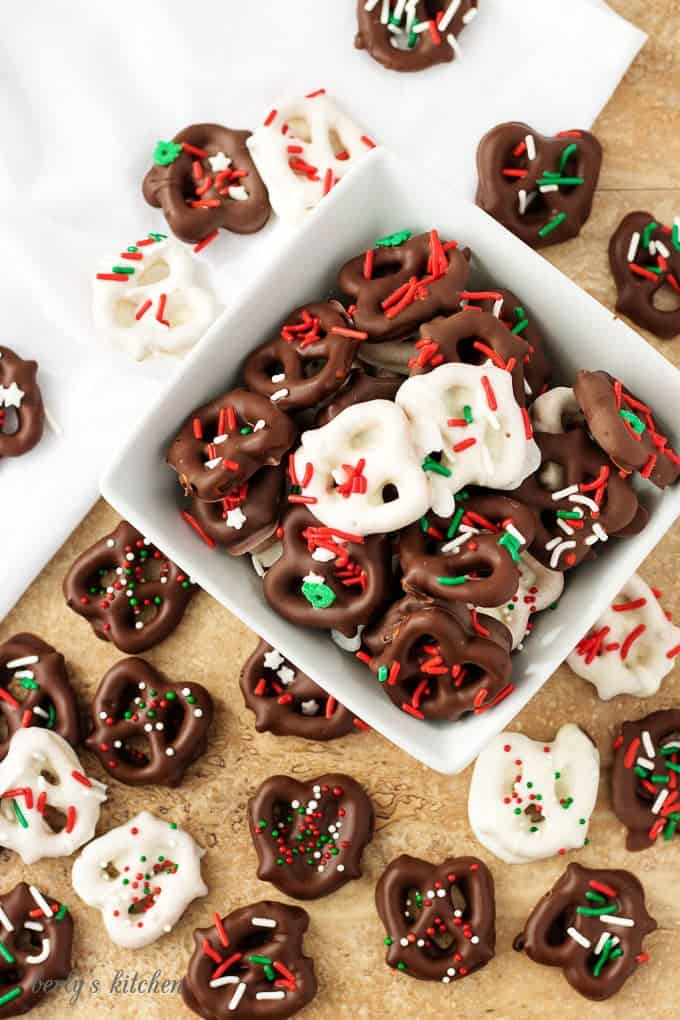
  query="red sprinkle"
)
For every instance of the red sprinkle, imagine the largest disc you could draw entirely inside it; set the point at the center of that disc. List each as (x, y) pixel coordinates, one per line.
(205, 242)
(490, 395)
(143, 309)
(270, 117)
(464, 444)
(198, 529)
(633, 636)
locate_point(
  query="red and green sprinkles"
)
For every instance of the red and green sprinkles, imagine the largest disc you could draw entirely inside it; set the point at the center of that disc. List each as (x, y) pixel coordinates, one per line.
(303, 834)
(658, 772)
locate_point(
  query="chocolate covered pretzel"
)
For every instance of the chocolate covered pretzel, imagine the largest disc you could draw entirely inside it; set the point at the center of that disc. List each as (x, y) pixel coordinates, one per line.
(204, 180)
(437, 660)
(251, 964)
(361, 386)
(625, 428)
(309, 836)
(411, 37)
(308, 359)
(246, 517)
(521, 322)
(644, 256)
(22, 414)
(440, 919)
(403, 282)
(592, 925)
(472, 337)
(36, 690)
(37, 938)
(326, 578)
(541, 188)
(287, 702)
(472, 556)
(136, 704)
(128, 591)
(579, 499)
(645, 777)
(223, 443)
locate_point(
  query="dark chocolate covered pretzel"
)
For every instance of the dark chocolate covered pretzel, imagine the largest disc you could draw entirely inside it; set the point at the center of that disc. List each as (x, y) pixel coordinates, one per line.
(411, 37)
(644, 256)
(22, 414)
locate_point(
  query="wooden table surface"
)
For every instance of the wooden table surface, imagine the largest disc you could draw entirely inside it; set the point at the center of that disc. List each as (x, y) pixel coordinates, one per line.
(418, 811)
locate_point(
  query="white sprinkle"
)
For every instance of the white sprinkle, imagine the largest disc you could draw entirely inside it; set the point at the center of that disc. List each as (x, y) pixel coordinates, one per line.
(312, 578)
(470, 15)
(599, 531)
(648, 744)
(279, 395)
(370, 5)
(552, 543)
(658, 803)
(645, 762)
(273, 659)
(110, 543)
(454, 44)
(564, 526)
(662, 250)
(210, 464)
(170, 751)
(322, 555)
(385, 12)
(236, 518)
(403, 942)
(259, 424)
(28, 660)
(633, 246)
(41, 712)
(237, 192)
(604, 937)
(557, 552)
(563, 493)
(449, 15)
(221, 981)
(340, 867)
(41, 956)
(218, 440)
(34, 926)
(309, 707)
(578, 937)
(672, 744)
(624, 922)
(531, 147)
(280, 994)
(5, 921)
(198, 713)
(586, 501)
(497, 307)
(279, 378)
(237, 996)
(543, 188)
(40, 900)
(286, 675)
(263, 922)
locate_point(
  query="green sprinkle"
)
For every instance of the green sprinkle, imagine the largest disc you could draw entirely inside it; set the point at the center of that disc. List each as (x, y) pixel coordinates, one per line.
(318, 594)
(581, 821)
(596, 911)
(430, 464)
(246, 430)
(125, 270)
(521, 326)
(467, 414)
(154, 237)
(455, 521)
(639, 771)
(388, 941)
(393, 240)
(260, 959)
(452, 581)
(570, 515)
(29, 685)
(560, 181)
(269, 972)
(567, 802)
(558, 775)
(4, 951)
(635, 423)
(647, 233)
(672, 766)
(401, 966)
(566, 153)
(595, 897)
(603, 957)
(166, 153)
(533, 828)
(660, 779)
(669, 749)
(510, 543)
(424, 523)
(670, 828)
(20, 817)
(553, 224)
(171, 695)
(62, 912)
(518, 811)
(8, 996)
(675, 236)
(383, 674)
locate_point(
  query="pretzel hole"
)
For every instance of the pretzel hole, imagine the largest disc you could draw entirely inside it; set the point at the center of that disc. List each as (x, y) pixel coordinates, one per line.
(666, 299)
(102, 578)
(366, 438)
(388, 267)
(336, 143)
(300, 128)
(390, 493)
(55, 818)
(8, 977)
(468, 353)
(135, 751)
(110, 870)
(50, 777)
(153, 272)
(534, 814)
(412, 905)
(9, 425)
(177, 310)
(28, 941)
(142, 905)
(556, 934)
(124, 313)
(312, 367)
(551, 476)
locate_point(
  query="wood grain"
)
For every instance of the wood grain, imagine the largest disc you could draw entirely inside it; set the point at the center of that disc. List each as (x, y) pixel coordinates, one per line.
(418, 811)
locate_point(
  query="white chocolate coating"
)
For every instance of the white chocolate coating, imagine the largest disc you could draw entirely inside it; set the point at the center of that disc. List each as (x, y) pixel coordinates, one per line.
(376, 432)
(42, 768)
(554, 409)
(500, 456)
(105, 876)
(134, 315)
(638, 667)
(530, 799)
(307, 132)
(539, 587)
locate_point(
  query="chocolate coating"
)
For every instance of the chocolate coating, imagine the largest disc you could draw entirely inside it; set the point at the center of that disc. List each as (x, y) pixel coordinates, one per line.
(240, 936)
(485, 567)
(625, 428)
(195, 197)
(25, 978)
(546, 938)
(440, 919)
(136, 705)
(318, 829)
(633, 794)
(287, 702)
(406, 51)
(238, 456)
(438, 661)
(656, 268)
(519, 319)
(246, 516)
(19, 392)
(426, 279)
(47, 698)
(579, 462)
(569, 174)
(307, 360)
(471, 337)
(356, 576)
(360, 387)
(130, 593)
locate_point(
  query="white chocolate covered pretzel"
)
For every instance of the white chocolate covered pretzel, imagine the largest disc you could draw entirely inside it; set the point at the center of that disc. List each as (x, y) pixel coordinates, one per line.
(43, 787)
(147, 300)
(142, 876)
(530, 799)
(361, 471)
(303, 148)
(468, 414)
(631, 647)
(539, 587)
(555, 409)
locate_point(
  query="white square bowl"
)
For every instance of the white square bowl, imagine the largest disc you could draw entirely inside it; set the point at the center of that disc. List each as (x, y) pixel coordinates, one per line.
(379, 196)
